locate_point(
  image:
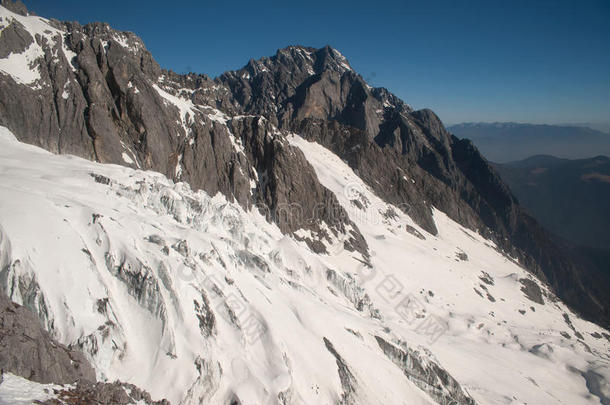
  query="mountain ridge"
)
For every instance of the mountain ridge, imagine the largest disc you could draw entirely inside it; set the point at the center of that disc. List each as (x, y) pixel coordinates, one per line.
(341, 146)
(514, 124)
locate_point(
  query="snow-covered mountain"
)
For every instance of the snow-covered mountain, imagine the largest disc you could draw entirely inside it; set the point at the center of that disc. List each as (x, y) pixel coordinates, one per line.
(283, 234)
(195, 299)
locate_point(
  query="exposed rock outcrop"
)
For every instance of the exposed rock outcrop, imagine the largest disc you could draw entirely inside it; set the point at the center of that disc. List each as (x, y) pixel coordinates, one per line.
(27, 350)
(426, 374)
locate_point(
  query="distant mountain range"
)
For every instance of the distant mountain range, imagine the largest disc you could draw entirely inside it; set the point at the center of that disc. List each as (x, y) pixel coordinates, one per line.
(569, 197)
(598, 126)
(508, 141)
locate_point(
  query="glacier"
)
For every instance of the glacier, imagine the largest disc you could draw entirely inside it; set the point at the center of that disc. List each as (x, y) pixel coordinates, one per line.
(198, 300)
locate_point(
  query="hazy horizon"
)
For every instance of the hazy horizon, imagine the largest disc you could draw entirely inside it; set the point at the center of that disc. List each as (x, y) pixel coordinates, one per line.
(597, 126)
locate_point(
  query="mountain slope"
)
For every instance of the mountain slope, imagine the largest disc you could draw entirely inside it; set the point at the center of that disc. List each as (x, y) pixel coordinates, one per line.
(409, 159)
(571, 199)
(152, 280)
(97, 93)
(505, 142)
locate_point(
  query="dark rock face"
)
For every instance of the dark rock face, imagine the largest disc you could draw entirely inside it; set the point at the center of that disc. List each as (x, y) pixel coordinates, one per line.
(102, 96)
(406, 156)
(288, 190)
(428, 376)
(27, 350)
(205, 315)
(531, 290)
(348, 381)
(86, 392)
(14, 39)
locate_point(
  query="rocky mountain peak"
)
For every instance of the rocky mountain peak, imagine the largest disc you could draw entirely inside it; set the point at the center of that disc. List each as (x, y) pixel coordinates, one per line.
(300, 83)
(331, 59)
(300, 59)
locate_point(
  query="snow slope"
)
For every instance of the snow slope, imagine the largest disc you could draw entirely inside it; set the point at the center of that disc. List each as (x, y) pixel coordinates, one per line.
(16, 390)
(194, 299)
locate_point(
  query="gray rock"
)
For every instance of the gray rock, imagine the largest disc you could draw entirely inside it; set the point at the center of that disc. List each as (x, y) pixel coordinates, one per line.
(205, 315)
(348, 381)
(14, 39)
(116, 393)
(531, 290)
(427, 375)
(288, 190)
(27, 350)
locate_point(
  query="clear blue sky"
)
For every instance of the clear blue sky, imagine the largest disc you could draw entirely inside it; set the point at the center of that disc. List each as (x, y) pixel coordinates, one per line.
(527, 61)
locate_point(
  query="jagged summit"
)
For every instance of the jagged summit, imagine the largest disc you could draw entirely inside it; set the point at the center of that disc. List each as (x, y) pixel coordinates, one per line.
(302, 59)
(302, 82)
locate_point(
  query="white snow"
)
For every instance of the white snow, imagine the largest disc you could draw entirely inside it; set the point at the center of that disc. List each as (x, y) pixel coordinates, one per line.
(126, 158)
(131, 86)
(178, 169)
(185, 107)
(188, 110)
(487, 344)
(279, 292)
(22, 66)
(122, 39)
(216, 115)
(15, 390)
(66, 93)
(129, 156)
(387, 104)
(342, 60)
